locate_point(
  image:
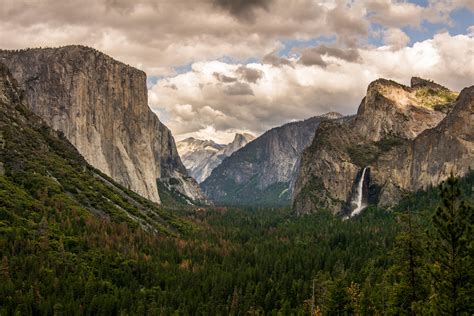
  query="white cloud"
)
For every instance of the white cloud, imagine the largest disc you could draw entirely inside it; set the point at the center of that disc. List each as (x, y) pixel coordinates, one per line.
(219, 97)
(395, 14)
(201, 107)
(395, 38)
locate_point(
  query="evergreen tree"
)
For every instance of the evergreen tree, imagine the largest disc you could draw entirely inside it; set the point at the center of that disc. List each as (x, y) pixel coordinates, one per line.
(452, 265)
(408, 272)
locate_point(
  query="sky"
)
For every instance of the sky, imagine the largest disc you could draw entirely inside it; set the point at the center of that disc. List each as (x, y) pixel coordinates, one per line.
(219, 67)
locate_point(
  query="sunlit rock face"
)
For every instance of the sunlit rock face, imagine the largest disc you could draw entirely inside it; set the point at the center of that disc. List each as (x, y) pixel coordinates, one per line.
(101, 106)
(408, 137)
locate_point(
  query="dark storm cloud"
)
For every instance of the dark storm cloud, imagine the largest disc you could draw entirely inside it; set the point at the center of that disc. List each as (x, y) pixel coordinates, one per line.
(224, 78)
(239, 88)
(249, 74)
(243, 10)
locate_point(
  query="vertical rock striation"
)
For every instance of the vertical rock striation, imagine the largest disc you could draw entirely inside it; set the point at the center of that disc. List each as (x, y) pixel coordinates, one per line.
(101, 106)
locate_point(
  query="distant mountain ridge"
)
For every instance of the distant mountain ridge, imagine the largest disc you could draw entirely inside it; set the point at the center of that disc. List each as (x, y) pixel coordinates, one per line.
(200, 157)
(402, 139)
(101, 106)
(263, 172)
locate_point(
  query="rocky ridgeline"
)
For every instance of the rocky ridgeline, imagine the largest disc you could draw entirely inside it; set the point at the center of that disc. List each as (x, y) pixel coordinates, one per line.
(101, 106)
(407, 137)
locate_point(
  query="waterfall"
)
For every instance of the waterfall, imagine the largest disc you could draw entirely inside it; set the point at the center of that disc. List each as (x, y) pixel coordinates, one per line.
(359, 195)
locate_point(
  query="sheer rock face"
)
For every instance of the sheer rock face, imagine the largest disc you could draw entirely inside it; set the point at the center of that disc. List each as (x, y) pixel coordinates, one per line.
(101, 107)
(202, 156)
(401, 134)
(263, 171)
(432, 156)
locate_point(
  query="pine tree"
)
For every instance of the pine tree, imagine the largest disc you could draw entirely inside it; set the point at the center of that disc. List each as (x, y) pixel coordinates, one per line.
(409, 288)
(355, 298)
(234, 307)
(452, 265)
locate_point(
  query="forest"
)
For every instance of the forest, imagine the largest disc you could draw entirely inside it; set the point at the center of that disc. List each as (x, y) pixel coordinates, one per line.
(414, 260)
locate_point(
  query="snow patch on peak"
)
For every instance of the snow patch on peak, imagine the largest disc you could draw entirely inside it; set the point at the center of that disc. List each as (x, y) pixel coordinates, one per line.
(200, 156)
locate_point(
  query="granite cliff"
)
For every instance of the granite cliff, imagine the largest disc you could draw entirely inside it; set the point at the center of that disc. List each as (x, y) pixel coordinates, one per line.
(405, 138)
(263, 172)
(200, 157)
(101, 106)
(43, 174)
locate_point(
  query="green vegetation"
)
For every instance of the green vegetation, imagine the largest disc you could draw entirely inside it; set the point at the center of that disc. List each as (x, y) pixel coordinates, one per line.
(170, 198)
(450, 247)
(45, 169)
(436, 98)
(312, 190)
(249, 194)
(241, 261)
(365, 154)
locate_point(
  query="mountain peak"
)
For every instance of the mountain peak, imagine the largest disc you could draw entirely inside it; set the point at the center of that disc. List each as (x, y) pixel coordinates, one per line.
(417, 82)
(239, 137)
(201, 156)
(331, 115)
(391, 108)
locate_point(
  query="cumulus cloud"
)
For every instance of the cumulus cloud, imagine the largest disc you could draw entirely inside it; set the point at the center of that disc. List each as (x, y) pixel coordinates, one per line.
(224, 78)
(283, 94)
(313, 55)
(348, 21)
(220, 97)
(395, 14)
(395, 38)
(249, 74)
(310, 57)
(159, 35)
(239, 88)
(276, 61)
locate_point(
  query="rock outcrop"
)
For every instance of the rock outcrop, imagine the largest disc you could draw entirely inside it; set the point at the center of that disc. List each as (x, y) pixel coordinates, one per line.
(430, 157)
(263, 172)
(101, 106)
(200, 157)
(403, 137)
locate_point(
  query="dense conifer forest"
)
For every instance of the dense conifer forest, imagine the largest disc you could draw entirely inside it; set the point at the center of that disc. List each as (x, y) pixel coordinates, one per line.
(416, 259)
